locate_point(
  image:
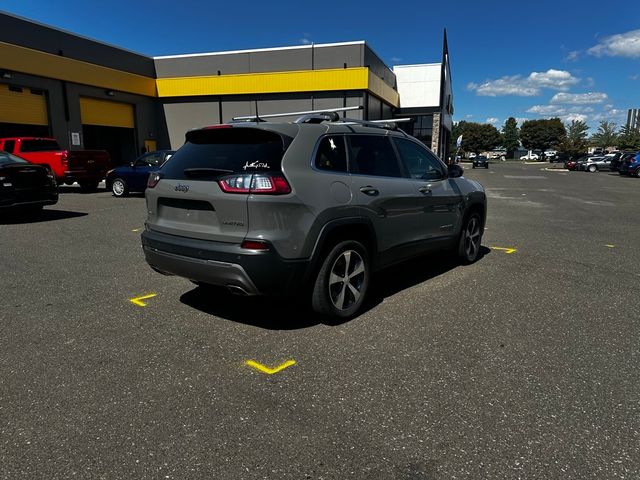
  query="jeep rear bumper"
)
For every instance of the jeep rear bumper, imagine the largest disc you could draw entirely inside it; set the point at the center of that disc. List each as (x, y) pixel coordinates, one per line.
(249, 272)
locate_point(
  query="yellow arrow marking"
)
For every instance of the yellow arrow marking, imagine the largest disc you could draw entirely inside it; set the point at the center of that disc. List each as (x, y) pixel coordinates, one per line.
(505, 250)
(138, 300)
(610, 246)
(267, 370)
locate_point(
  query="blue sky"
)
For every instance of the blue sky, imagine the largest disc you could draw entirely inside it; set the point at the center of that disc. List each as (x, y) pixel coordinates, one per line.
(529, 59)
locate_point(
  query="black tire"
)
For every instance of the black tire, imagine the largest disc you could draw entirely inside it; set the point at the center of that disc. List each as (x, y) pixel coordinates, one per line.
(89, 186)
(473, 166)
(338, 299)
(486, 166)
(119, 188)
(470, 239)
(637, 173)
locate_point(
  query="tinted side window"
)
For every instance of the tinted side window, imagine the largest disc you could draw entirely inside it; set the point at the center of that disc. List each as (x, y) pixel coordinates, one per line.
(8, 146)
(373, 155)
(418, 161)
(332, 154)
(150, 159)
(39, 145)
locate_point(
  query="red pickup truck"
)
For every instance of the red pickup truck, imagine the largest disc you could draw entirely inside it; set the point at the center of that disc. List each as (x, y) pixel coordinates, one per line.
(87, 167)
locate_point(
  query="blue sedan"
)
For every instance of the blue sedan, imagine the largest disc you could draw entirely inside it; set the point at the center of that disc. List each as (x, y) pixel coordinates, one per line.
(133, 177)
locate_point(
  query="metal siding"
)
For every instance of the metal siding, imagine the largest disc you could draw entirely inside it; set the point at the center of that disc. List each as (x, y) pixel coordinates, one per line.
(336, 57)
(94, 111)
(23, 107)
(202, 65)
(182, 117)
(261, 83)
(283, 105)
(237, 108)
(33, 62)
(280, 61)
(51, 40)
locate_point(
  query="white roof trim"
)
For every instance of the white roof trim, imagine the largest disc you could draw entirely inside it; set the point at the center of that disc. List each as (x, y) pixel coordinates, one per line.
(417, 65)
(273, 49)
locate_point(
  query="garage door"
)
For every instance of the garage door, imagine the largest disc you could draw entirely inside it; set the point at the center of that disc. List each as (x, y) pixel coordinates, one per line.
(105, 113)
(21, 105)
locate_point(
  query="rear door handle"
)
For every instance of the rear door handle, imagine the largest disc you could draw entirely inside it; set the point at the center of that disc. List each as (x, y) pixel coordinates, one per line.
(426, 190)
(369, 190)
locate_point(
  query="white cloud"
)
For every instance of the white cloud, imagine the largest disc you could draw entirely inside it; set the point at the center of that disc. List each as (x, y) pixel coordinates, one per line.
(525, 86)
(570, 117)
(521, 120)
(557, 110)
(492, 120)
(572, 56)
(635, 77)
(396, 59)
(305, 41)
(468, 116)
(619, 45)
(579, 98)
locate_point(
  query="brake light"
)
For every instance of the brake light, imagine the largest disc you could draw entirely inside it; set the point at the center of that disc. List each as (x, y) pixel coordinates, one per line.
(153, 180)
(214, 127)
(257, 183)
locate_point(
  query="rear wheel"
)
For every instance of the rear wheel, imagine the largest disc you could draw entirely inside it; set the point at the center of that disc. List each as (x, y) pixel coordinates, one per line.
(343, 280)
(470, 239)
(637, 173)
(119, 187)
(592, 168)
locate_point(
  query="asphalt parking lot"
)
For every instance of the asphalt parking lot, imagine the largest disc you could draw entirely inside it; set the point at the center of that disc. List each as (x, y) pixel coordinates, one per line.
(523, 365)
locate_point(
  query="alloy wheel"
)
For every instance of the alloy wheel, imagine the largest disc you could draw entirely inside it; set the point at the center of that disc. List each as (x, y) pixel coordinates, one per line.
(346, 279)
(472, 238)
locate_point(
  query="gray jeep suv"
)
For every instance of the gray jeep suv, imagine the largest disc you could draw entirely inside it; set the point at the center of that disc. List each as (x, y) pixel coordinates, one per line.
(268, 208)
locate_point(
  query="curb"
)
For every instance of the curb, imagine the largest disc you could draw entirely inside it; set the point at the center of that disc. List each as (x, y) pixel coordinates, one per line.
(555, 169)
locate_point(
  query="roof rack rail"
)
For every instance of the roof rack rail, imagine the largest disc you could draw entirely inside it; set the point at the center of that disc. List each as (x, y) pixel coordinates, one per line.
(326, 111)
(388, 124)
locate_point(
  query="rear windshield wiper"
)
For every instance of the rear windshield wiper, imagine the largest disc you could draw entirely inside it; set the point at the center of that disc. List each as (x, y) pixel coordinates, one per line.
(205, 172)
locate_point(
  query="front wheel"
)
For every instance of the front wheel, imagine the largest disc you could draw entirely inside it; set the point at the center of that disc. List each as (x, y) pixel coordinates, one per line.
(637, 173)
(470, 239)
(592, 168)
(343, 281)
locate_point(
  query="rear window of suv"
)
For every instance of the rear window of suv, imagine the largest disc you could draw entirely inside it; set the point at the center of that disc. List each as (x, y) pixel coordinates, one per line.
(218, 151)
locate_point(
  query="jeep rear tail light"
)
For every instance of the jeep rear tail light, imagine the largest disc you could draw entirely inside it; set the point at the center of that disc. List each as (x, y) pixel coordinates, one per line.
(256, 183)
(153, 180)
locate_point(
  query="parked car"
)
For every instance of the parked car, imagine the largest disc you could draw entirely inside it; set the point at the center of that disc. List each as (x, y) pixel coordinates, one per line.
(87, 167)
(530, 157)
(619, 160)
(550, 155)
(571, 164)
(631, 166)
(580, 164)
(25, 186)
(267, 208)
(560, 157)
(133, 177)
(594, 164)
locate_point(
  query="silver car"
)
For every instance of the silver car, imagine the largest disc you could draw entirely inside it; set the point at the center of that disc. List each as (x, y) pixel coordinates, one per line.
(311, 206)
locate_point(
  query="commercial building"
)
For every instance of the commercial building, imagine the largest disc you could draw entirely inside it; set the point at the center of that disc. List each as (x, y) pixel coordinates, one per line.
(90, 95)
(633, 118)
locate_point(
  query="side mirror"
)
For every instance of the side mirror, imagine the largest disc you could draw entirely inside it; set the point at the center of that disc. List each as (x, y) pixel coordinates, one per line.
(455, 171)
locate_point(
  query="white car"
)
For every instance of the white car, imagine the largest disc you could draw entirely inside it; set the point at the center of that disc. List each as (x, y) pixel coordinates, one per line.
(530, 156)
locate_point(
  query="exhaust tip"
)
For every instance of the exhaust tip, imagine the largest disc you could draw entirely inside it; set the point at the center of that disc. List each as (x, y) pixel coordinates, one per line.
(236, 290)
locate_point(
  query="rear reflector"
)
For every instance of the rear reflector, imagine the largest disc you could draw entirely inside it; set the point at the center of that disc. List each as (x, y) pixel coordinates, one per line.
(254, 245)
(256, 183)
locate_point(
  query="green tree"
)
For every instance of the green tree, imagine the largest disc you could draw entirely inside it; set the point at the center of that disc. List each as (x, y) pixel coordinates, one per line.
(575, 142)
(542, 134)
(606, 135)
(479, 137)
(510, 136)
(629, 138)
